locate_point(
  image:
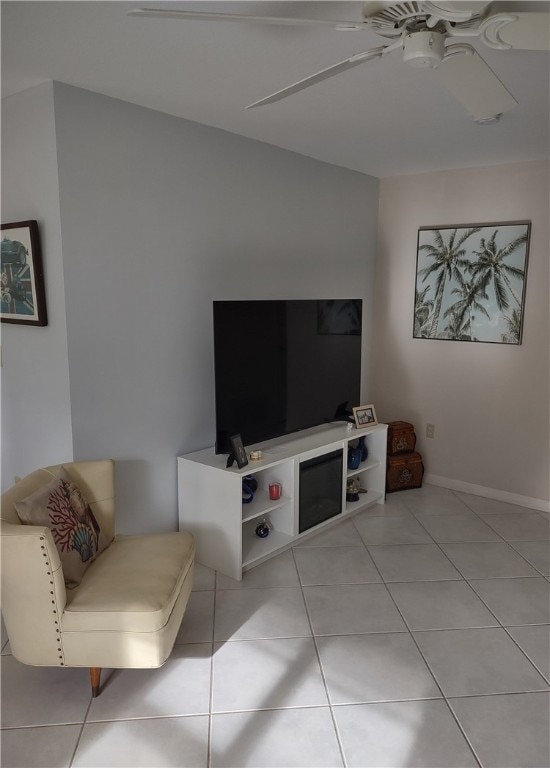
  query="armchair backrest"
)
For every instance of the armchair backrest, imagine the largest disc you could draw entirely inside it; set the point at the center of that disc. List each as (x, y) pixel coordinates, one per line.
(95, 478)
(33, 586)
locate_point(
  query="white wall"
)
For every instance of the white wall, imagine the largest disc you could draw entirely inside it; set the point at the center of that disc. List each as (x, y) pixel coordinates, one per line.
(36, 416)
(161, 216)
(489, 402)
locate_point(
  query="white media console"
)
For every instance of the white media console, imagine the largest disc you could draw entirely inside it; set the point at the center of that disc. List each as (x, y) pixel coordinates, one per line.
(211, 502)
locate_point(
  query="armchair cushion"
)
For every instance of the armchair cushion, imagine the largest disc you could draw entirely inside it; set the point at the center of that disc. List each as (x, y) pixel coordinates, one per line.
(60, 506)
(127, 590)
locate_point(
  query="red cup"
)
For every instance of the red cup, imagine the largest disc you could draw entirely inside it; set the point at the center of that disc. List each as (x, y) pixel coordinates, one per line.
(274, 491)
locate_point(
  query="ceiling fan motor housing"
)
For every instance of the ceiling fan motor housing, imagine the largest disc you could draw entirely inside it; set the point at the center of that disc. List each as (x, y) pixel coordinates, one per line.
(423, 49)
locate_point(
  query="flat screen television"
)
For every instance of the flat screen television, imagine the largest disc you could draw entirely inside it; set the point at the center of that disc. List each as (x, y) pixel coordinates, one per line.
(283, 366)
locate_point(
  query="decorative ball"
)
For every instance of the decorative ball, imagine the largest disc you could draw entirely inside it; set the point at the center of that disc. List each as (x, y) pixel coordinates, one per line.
(262, 530)
(248, 493)
(251, 482)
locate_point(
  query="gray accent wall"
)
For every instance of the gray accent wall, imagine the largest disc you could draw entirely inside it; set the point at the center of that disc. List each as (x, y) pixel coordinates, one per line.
(159, 217)
(145, 219)
(36, 413)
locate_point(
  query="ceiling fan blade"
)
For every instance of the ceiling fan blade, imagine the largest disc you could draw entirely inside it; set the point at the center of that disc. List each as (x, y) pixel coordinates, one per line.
(454, 11)
(468, 8)
(518, 30)
(324, 74)
(165, 13)
(473, 83)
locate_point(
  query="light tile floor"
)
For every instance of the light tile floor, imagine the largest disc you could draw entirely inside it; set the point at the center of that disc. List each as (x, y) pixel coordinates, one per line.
(414, 634)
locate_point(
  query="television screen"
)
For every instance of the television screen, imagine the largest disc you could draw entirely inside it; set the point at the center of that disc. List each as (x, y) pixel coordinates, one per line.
(282, 366)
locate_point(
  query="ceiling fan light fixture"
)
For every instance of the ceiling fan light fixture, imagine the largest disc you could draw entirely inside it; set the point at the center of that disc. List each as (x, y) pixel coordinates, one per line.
(424, 49)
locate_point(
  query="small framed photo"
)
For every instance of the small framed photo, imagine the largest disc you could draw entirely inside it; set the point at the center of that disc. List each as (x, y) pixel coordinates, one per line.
(23, 297)
(238, 451)
(365, 416)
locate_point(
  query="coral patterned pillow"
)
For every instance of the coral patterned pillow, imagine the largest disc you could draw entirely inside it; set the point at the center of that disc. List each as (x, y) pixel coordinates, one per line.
(61, 506)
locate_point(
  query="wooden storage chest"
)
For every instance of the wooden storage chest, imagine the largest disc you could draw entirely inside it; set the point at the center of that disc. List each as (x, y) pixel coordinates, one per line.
(401, 438)
(403, 472)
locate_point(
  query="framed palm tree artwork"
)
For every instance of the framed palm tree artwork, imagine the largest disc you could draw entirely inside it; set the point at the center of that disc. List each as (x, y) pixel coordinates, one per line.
(470, 282)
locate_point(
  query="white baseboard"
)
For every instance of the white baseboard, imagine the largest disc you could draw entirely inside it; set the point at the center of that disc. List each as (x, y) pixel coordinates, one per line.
(489, 493)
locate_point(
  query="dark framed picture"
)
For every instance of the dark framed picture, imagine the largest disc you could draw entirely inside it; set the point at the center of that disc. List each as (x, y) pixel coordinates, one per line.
(238, 451)
(470, 282)
(23, 298)
(364, 416)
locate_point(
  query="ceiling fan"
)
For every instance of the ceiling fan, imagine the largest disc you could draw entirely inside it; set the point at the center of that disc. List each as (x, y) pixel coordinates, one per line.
(429, 35)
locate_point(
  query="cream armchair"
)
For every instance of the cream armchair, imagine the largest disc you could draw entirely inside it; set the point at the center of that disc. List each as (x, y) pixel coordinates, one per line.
(129, 605)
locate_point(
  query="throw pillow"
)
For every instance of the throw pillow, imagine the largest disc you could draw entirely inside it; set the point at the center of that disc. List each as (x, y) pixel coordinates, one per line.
(61, 506)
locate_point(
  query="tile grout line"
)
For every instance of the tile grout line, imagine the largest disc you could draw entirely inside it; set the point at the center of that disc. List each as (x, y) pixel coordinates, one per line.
(468, 742)
(502, 541)
(501, 624)
(322, 671)
(211, 693)
(505, 541)
(523, 556)
(444, 698)
(81, 731)
(467, 581)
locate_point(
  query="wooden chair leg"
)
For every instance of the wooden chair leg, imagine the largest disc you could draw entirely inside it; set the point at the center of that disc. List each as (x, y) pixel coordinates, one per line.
(95, 675)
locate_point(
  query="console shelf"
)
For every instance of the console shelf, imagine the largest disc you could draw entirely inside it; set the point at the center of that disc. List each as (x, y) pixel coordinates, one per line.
(257, 550)
(210, 495)
(262, 507)
(366, 465)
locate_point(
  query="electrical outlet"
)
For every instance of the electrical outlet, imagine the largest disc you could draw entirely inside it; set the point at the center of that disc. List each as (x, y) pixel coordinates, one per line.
(430, 430)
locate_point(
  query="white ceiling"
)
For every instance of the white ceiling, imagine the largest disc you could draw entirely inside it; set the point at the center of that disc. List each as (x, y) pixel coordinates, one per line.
(382, 118)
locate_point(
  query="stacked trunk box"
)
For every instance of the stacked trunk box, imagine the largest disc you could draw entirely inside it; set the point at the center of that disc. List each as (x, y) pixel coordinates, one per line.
(404, 466)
